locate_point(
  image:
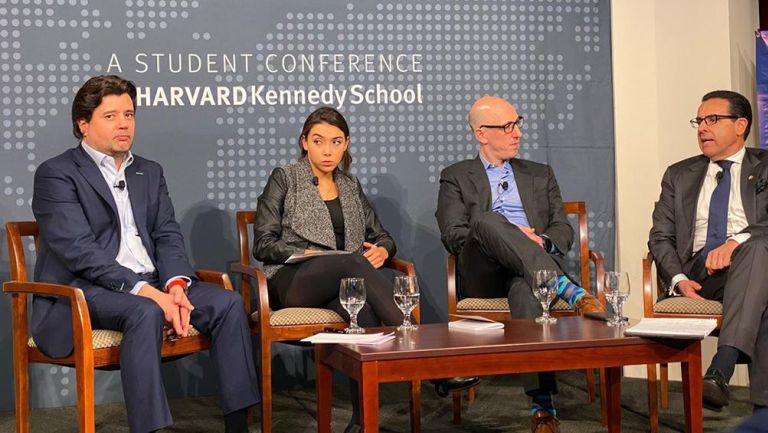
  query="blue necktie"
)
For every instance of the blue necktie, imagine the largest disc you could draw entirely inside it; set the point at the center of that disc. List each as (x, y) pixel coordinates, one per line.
(717, 225)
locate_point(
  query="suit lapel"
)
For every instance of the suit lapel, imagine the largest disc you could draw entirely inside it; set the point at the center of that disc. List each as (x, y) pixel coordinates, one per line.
(479, 179)
(748, 193)
(690, 188)
(93, 176)
(524, 182)
(137, 192)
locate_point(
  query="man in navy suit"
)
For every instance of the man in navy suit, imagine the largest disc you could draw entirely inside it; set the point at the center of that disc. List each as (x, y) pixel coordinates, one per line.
(107, 226)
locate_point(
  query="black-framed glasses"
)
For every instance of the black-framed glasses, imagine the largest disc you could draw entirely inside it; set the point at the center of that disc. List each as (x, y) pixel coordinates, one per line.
(710, 119)
(507, 127)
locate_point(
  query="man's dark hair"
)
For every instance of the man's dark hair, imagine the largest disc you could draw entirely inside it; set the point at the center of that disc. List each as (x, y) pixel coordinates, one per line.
(738, 105)
(93, 91)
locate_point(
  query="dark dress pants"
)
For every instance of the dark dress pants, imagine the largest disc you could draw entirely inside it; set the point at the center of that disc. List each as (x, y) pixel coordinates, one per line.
(314, 283)
(218, 314)
(743, 291)
(499, 260)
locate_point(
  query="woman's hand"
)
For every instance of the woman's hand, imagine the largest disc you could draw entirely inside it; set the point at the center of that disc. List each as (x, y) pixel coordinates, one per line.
(376, 255)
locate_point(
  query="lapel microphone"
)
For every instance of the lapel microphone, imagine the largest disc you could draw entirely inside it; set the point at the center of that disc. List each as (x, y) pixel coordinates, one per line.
(315, 181)
(504, 185)
(719, 176)
(120, 185)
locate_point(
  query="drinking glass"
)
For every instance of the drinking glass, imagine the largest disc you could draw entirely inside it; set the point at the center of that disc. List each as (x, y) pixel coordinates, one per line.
(406, 298)
(544, 290)
(617, 292)
(352, 298)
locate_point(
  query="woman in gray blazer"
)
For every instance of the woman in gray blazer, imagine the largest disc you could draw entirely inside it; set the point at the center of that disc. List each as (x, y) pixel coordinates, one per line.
(315, 204)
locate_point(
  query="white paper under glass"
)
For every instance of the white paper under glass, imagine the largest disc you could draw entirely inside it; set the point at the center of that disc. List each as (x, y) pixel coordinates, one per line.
(545, 290)
(616, 287)
(406, 298)
(352, 298)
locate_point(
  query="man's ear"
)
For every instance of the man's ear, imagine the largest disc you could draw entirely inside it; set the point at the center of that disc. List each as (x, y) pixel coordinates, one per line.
(83, 125)
(480, 135)
(741, 126)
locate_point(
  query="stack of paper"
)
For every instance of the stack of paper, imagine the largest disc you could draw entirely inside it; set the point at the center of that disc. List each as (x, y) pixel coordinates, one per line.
(300, 257)
(474, 323)
(673, 328)
(370, 339)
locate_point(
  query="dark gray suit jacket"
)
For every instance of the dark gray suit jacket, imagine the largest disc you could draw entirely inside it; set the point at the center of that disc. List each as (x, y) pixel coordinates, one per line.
(674, 215)
(465, 193)
(80, 236)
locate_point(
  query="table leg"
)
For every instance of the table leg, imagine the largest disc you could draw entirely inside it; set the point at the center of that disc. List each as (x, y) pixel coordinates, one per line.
(415, 387)
(323, 387)
(613, 398)
(369, 397)
(692, 397)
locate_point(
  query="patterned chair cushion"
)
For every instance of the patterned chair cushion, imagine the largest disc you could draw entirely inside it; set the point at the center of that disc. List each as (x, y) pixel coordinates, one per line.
(500, 304)
(104, 338)
(301, 316)
(681, 304)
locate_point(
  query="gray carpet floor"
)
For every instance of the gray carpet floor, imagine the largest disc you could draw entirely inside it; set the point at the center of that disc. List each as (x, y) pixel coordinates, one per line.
(500, 406)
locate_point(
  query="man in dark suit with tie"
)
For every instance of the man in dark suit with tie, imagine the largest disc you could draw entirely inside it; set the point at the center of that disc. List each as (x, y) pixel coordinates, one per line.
(107, 226)
(503, 218)
(709, 239)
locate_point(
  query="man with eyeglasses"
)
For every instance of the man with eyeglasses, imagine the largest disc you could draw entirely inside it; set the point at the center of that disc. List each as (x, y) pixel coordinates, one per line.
(503, 218)
(709, 239)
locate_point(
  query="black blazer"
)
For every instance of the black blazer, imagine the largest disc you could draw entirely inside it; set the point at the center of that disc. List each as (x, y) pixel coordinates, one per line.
(465, 193)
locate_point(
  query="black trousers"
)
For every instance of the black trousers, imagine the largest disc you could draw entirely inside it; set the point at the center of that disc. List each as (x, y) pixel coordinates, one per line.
(499, 260)
(218, 313)
(743, 290)
(315, 283)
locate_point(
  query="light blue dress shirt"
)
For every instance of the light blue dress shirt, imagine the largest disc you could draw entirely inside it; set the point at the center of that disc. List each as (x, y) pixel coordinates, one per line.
(505, 197)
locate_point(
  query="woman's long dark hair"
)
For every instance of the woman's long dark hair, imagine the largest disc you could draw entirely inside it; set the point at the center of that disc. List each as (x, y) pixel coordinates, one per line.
(331, 117)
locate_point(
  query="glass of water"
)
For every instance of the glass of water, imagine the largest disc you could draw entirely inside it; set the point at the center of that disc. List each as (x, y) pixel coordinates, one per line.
(544, 290)
(406, 298)
(617, 292)
(352, 298)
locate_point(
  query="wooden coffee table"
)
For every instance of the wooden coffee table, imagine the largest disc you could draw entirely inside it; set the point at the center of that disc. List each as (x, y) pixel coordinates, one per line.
(434, 351)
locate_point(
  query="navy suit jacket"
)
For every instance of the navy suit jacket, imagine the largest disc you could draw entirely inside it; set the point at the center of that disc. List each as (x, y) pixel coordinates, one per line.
(80, 236)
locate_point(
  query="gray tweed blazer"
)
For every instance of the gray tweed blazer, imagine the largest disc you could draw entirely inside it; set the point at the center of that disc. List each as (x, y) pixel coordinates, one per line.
(291, 217)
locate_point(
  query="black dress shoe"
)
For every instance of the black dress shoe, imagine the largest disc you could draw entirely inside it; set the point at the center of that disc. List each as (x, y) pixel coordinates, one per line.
(443, 387)
(715, 390)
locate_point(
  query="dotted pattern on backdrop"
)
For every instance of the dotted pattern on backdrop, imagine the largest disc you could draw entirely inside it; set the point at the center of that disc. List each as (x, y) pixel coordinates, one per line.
(35, 91)
(436, 133)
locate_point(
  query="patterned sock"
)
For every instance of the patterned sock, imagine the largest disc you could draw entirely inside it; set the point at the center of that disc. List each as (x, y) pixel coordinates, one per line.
(543, 401)
(568, 291)
(725, 361)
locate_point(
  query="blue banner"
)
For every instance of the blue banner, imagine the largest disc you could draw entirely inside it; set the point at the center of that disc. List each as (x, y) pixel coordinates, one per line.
(761, 42)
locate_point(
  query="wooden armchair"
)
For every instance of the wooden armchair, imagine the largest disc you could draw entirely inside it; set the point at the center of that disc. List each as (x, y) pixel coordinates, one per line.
(93, 348)
(498, 308)
(291, 324)
(674, 307)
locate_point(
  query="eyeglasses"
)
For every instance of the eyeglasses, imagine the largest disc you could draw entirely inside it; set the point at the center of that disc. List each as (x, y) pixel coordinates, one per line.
(507, 127)
(710, 120)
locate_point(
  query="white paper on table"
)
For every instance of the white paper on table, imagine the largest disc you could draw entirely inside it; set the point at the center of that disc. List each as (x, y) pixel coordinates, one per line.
(673, 328)
(364, 339)
(300, 257)
(474, 323)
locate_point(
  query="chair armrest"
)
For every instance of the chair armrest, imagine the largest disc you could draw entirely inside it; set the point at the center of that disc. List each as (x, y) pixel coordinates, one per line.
(648, 295)
(403, 266)
(258, 274)
(81, 318)
(452, 277)
(214, 277)
(597, 259)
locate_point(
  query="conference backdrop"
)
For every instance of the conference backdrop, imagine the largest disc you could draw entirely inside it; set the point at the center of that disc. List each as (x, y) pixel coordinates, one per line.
(224, 87)
(761, 77)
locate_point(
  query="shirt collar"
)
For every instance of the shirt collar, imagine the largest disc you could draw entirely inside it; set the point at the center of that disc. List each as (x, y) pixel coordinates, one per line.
(102, 159)
(487, 165)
